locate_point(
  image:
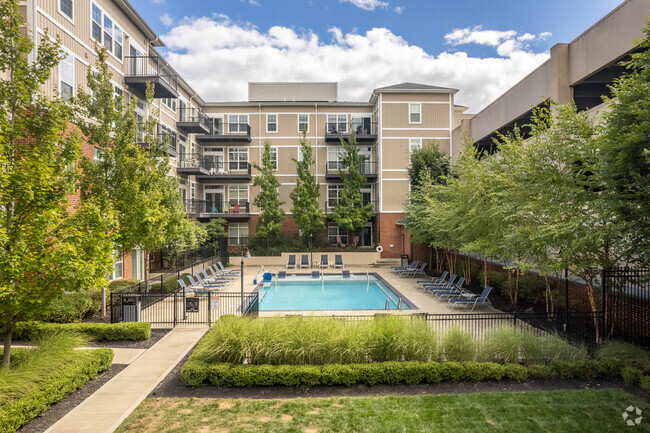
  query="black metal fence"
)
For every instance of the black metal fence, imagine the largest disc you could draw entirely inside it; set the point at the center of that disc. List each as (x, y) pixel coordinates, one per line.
(626, 305)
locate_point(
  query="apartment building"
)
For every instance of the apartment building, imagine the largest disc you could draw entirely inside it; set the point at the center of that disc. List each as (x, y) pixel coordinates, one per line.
(212, 145)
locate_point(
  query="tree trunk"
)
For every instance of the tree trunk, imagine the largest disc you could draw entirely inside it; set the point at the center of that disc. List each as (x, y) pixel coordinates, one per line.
(485, 272)
(6, 353)
(517, 275)
(510, 286)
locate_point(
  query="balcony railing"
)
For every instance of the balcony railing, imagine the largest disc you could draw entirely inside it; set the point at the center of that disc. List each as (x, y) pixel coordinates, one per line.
(141, 70)
(207, 208)
(231, 132)
(363, 130)
(331, 204)
(193, 120)
(366, 168)
(207, 167)
(169, 136)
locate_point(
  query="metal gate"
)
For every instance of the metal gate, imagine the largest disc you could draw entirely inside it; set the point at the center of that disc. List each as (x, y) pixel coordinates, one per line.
(181, 308)
(626, 305)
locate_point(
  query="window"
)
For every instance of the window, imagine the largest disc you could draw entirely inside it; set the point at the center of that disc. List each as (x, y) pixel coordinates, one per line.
(237, 232)
(118, 268)
(66, 77)
(238, 194)
(415, 111)
(334, 156)
(300, 154)
(274, 157)
(238, 158)
(170, 103)
(337, 123)
(165, 133)
(104, 30)
(414, 143)
(334, 233)
(334, 194)
(271, 123)
(65, 7)
(303, 123)
(238, 123)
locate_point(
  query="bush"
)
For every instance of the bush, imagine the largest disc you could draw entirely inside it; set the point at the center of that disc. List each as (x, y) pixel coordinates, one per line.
(96, 331)
(531, 290)
(42, 376)
(458, 345)
(72, 307)
(169, 285)
(120, 284)
(195, 372)
(626, 353)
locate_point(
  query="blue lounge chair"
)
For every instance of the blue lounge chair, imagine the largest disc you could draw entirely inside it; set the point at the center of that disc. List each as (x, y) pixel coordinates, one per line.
(227, 271)
(203, 283)
(433, 280)
(213, 279)
(345, 274)
(399, 269)
(338, 261)
(472, 299)
(304, 261)
(187, 289)
(216, 273)
(445, 285)
(454, 290)
(324, 261)
(410, 273)
(282, 274)
(292, 261)
(315, 274)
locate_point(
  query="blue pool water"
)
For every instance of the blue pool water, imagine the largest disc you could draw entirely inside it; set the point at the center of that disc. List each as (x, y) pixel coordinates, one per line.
(331, 293)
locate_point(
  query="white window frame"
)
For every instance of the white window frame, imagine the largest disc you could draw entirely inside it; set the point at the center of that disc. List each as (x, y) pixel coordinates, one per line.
(119, 259)
(102, 29)
(306, 122)
(268, 122)
(342, 234)
(238, 227)
(338, 121)
(69, 56)
(300, 156)
(170, 103)
(413, 144)
(239, 122)
(238, 190)
(66, 16)
(275, 154)
(339, 189)
(418, 112)
(238, 161)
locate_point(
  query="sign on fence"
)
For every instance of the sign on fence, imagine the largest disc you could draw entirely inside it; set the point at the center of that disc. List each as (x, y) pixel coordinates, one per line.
(214, 303)
(192, 305)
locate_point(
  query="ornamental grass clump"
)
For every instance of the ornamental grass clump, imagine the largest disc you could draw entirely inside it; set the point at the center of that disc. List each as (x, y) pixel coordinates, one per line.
(626, 353)
(459, 346)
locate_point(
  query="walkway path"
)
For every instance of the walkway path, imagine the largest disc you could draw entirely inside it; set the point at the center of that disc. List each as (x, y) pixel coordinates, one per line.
(105, 410)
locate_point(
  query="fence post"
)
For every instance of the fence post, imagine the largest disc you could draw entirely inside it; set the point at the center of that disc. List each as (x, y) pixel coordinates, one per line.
(112, 308)
(175, 306)
(603, 299)
(515, 319)
(209, 309)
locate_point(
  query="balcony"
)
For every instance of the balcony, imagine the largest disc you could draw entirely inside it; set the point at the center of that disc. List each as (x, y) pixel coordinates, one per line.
(207, 168)
(364, 131)
(192, 120)
(366, 168)
(207, 209)
(330, 204)
(141, 70)
(219, 132)
(162, 135)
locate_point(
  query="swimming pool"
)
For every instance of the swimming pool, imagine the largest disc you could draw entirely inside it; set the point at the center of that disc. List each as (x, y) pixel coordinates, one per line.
(331, 292)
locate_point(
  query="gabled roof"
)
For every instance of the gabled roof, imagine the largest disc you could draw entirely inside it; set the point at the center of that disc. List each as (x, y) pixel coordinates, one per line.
(413, 86)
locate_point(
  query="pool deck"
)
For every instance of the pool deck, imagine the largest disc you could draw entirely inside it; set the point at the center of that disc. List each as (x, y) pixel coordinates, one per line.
(406, 286)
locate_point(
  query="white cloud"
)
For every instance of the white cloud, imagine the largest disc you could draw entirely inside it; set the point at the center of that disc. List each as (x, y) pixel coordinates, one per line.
(158, 2)
(218, 57)
(506, 42)
(399, 9)
(368, 5)
(166, 19)
(251, 2)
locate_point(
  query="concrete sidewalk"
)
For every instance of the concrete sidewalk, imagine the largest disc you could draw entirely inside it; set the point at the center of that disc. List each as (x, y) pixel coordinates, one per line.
(105, 410)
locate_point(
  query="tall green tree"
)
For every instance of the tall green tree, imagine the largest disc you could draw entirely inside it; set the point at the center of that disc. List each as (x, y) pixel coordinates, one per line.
(268, 201)
(627, 151)
(350, 212)
(430, 158)
(307, 213)
(128, 178)
(46, 245)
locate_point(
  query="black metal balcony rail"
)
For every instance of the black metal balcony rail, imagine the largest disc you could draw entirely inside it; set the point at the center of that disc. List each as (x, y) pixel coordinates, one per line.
(219, 128)
(366, 168)
(163, 136)
(231, 207)
(212, 166)
(193, 115)
(331, 204)
(361, 128)
(151, 66)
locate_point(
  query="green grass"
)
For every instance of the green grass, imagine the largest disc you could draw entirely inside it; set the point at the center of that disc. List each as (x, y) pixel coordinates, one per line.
(543, 411)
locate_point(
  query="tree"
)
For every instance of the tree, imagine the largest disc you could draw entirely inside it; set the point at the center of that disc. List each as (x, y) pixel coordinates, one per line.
(268, 201)
(350, 212)
(128, 178)
(215, 228)
(428, 157)
(627, 151)
(192, 235)
(307, 213)
(46, 245)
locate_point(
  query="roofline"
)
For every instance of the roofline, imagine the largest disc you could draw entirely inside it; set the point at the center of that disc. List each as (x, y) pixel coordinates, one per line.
(288, 103)
(443, 90)
(130, 11)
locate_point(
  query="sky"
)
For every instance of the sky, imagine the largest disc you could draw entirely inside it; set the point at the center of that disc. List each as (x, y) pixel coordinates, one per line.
(481, 47)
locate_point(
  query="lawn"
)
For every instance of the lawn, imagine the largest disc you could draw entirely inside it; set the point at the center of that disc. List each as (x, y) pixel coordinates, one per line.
(540, 411)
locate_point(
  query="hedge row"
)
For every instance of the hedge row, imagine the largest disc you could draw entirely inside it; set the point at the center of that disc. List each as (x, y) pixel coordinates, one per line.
(29, 331)
(196, 372)
(83, 366)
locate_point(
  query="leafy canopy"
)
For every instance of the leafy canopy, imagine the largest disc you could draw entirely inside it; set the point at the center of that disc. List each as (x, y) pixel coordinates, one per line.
(268, 201)
(306, 210)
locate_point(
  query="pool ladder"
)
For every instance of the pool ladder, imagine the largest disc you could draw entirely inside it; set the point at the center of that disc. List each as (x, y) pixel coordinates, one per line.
(399, 304)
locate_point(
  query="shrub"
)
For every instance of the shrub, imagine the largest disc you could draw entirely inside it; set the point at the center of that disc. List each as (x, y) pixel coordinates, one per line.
(94, 331)
(42, 376)
(502, 345)
(458, 345)
(72, 307)
(120, 284)
(626, 353)
(531, 290)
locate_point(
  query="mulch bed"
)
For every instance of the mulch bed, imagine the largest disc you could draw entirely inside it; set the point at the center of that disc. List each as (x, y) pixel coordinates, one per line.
(172, 386)
(156, 334)
(60, 409)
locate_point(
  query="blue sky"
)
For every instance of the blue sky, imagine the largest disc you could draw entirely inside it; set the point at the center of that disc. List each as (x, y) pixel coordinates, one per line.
(480, 47)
